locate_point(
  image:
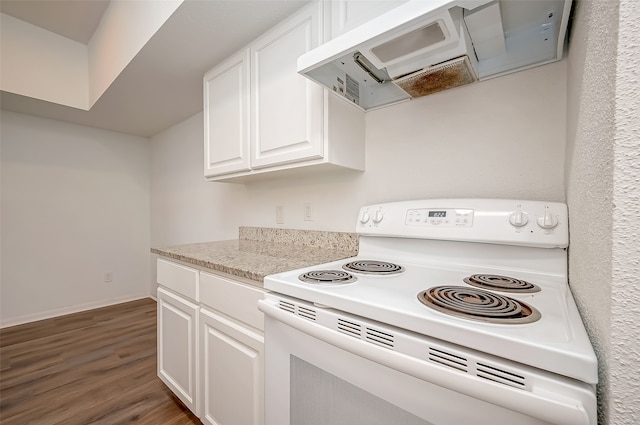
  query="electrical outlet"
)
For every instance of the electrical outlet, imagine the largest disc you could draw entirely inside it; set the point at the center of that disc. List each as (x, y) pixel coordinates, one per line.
(279, 214)
(308, 211)
(108, 277)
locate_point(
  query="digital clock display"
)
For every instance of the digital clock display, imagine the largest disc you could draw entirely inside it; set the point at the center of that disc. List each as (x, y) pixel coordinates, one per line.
(437, 213)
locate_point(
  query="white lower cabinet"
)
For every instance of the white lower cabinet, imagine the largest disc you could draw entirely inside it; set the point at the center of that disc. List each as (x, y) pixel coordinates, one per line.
(231, 368)
(178, 346)
(231, 352)
(211, 344)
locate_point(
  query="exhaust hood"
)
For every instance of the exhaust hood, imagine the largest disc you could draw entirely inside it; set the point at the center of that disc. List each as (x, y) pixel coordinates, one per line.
(425, 46)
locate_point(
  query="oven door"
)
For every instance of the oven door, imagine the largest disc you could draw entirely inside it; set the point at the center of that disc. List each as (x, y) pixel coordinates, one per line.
(318, 376)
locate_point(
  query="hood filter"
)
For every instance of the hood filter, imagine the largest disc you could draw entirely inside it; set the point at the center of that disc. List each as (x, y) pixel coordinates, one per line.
(453, 73)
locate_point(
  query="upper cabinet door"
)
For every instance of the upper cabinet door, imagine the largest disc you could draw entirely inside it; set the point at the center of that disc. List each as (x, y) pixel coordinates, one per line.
(348, 14)
(226, 116)
(286, 108)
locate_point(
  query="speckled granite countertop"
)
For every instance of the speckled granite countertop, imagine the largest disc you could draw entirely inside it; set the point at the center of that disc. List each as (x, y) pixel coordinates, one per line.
(262, 251)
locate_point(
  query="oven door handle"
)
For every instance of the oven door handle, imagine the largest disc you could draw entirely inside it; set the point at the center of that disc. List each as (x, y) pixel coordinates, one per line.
(555, 408)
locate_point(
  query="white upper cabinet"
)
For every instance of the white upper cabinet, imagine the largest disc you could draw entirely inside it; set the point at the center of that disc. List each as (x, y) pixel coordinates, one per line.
(348, 14)
(226, 121)
(262, 116)
(286, 108)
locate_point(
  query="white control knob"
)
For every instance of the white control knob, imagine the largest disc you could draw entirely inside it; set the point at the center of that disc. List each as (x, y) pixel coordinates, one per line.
(518, 218)
(547, 221)
(364, 217)
(378, 216)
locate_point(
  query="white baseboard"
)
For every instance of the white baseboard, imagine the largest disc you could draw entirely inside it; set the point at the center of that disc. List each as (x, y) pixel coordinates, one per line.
(20, 320)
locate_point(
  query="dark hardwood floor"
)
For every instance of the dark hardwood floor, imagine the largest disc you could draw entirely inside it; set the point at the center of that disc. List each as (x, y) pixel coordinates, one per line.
(93, 367)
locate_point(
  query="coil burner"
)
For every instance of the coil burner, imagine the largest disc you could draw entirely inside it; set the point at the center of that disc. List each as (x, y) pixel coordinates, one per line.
(501, 283)
(373, 267)
(327, 277)
(477, 304)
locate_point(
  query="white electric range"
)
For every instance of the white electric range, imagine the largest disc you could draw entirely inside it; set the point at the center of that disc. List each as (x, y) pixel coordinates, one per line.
(464, 300)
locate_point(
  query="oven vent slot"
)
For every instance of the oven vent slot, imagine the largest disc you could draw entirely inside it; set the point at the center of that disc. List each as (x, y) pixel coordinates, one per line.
(447, 359)
(290, 307)
(307, 313)
(349, 328)
(480, 370)
(304, 312)
(499, 375)
(379, 337)
(372, 335)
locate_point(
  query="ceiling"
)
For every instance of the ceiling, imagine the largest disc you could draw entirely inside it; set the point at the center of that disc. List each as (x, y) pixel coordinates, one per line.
(162, 85)
(73, 19)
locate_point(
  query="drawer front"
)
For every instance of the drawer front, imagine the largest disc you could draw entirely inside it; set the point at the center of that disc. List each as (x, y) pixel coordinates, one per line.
(178, 278)
(232, 298)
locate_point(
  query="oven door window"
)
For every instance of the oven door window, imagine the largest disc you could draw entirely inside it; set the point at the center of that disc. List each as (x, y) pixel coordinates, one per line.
(320, 398)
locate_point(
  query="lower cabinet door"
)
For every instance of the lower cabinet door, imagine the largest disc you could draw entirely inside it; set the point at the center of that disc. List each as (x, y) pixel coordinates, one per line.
(178, 345)
(232, 372)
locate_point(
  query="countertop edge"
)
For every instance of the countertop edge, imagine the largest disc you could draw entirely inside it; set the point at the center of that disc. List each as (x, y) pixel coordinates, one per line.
(260, 252)
(254, 277)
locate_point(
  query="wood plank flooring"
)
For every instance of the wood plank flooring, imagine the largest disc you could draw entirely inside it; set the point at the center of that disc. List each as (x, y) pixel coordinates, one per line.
(93, 367)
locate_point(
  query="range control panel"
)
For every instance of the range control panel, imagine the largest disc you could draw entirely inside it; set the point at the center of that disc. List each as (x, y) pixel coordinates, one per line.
(440, 217)
(502, 221)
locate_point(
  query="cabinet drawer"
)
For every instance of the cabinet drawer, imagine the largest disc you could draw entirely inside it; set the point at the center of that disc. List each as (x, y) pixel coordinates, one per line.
(181, 279)
(231, 298)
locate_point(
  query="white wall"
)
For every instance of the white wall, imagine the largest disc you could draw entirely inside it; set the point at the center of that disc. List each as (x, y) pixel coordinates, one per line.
(589, 176)
(500, 138)
(625, 335)
(603, 165)
(76, 200)
(41, 64)
(124, 29)
(75, 204)
(185, 208)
